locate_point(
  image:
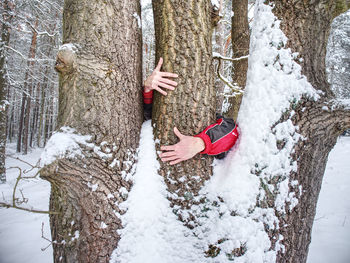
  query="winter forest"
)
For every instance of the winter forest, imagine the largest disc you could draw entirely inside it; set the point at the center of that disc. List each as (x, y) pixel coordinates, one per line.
(83, 177)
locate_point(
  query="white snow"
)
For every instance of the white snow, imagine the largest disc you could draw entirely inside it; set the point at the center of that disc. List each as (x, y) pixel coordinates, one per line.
(20, 231)
(331, 230)
(69, 46)
(138, 19)
(64, 143)
(149, 223)
(151, 230)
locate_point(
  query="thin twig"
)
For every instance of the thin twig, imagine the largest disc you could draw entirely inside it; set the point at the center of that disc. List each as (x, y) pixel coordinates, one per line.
(235, 89)
(28, 209)
(14, 198)
(42, 236)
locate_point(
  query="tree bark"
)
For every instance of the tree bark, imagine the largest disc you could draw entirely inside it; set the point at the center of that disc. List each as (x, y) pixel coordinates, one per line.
(28, 101)
(5, 38)
(240, 46)
(100, 96)
(219, 47)
(183, 31)
(307, 25)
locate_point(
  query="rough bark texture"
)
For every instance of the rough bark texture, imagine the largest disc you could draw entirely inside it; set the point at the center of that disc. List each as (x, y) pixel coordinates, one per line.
(183, 31)
(307, 24)
(100, 95)
(240, 47)
(5, 38)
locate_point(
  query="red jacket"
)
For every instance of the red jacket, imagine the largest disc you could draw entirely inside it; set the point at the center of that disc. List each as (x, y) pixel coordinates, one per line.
(218, 137)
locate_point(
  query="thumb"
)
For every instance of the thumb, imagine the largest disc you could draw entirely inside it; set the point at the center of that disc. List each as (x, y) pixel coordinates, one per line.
(160, 63)
(178, 133)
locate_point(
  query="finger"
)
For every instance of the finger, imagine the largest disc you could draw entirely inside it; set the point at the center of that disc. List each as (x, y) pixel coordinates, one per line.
(160, 91)
(160, 63)
(167, 148)
(168, 81)
(166, 86)
(167, 159)
(168, 74)
(176, 161)
(167, 154)
(178, 133)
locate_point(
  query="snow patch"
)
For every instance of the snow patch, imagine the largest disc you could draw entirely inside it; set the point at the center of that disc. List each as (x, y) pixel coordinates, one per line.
(138, 19)
(64, 144)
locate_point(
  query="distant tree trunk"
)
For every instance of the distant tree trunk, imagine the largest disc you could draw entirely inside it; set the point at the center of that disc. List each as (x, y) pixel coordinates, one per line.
(240, 47)
(219, 48)
(5, 38)
(100, 95)
(306, 25)
(183, 31)
(42, 109)
(21, 117)
(28, 100)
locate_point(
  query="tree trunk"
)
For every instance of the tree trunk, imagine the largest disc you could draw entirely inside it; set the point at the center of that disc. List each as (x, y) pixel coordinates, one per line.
(307, 25)
(31, 64)
(5, 38)
(240, 47)
(183, 31)
(219, 48)
(100, 96)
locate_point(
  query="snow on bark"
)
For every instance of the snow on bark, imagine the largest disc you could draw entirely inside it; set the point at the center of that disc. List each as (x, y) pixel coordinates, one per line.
(274, 84)
(230, 225)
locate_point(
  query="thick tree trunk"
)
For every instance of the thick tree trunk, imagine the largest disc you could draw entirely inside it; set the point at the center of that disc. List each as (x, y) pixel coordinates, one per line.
(306, 26)
(5, 38)
(240, 47)
(183, 31)
(100, 96)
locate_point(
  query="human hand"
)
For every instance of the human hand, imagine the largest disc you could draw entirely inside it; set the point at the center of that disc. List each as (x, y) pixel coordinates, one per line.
(186, 148)
(158, 80)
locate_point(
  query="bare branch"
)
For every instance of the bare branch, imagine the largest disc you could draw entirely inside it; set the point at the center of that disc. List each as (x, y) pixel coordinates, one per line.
(235, 89)
(24, 200)
(42, 236)
(2, 204)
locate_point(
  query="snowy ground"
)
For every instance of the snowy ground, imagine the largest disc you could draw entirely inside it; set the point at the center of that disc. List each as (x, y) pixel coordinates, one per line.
(331, 229)
(20, 231)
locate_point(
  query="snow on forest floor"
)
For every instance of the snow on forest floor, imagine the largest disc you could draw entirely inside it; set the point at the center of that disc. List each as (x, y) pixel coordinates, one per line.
(21, 232)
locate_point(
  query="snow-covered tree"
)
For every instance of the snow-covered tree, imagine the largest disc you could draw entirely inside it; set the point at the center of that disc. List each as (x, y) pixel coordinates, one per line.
(6, 18)
(258, 204)
(289, 119)
(338, 59)
(90, 161)
(32, 81)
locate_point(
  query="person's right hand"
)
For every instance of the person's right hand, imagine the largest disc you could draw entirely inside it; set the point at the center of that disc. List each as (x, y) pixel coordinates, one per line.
(159, 80)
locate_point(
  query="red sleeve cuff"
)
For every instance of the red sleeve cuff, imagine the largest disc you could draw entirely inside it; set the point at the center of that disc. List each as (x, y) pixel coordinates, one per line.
(206, 140)
(147, 97)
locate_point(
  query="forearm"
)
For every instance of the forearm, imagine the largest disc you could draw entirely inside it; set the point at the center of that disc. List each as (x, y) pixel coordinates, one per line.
(219, 137)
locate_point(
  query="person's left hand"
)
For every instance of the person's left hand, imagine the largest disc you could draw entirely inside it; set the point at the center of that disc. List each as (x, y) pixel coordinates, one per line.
(186, 148)
(159, 80)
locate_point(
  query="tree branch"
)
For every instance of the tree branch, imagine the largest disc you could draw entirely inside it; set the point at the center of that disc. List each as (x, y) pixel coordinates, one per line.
(234, 88)
(15, 199)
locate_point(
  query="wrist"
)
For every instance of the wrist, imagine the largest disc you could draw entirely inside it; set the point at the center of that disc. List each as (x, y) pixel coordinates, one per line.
(146, 89)
(199, 144)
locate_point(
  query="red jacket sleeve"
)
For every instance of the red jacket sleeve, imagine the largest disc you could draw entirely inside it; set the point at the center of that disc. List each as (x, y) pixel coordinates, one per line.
(147, 97)
(147, 104)
(219, 137)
